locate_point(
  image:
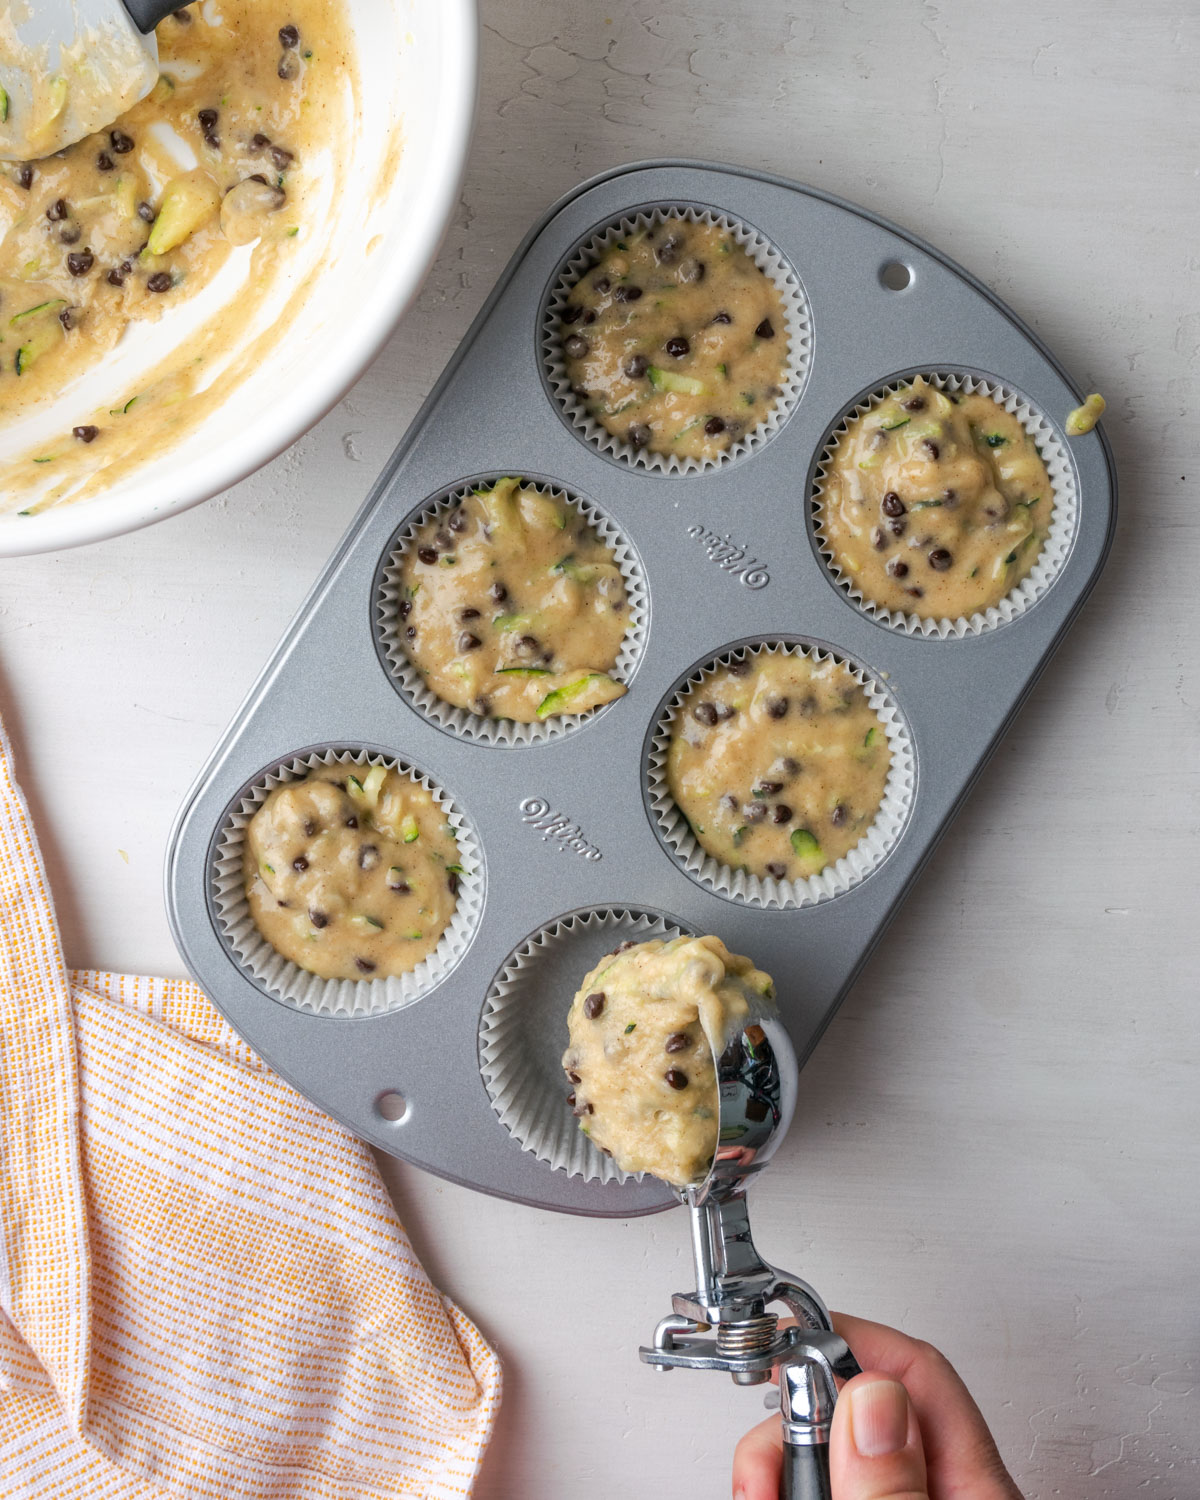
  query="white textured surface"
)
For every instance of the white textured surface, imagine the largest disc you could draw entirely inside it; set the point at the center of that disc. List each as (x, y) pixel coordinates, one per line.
(1000, 1143)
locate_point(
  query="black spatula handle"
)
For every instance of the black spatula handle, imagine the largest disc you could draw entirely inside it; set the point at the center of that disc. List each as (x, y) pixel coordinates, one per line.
(146, 14)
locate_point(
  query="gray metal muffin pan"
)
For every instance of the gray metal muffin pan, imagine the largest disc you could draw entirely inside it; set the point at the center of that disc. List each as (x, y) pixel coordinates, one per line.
(491, 413)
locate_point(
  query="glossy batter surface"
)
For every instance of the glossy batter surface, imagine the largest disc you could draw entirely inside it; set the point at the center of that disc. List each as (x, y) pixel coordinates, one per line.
(352, 873)
(676, 340)
(779, 764)
(936, 503)
(512, 607)
(644, 1030)
(127, 225)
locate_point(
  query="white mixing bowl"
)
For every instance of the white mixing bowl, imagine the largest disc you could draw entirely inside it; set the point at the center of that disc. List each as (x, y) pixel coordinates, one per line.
(379, 233)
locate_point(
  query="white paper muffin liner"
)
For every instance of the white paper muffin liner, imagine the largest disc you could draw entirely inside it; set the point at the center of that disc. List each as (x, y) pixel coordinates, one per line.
(462, 721)
(765, 891)
(797, 320)
(523, 1033)
(1054, 549)
(287, 981)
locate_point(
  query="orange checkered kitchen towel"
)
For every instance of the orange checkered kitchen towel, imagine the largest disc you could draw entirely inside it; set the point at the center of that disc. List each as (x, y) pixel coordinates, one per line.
(205, 1290)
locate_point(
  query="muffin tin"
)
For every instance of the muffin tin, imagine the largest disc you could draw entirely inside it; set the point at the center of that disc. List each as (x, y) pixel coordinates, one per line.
(567, 826)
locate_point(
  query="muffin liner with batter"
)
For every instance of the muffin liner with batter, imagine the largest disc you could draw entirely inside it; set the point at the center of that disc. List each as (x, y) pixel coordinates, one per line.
(523, 1032)
(763, 253)
(462, 721)
(286, 981)
(842, 875)
(1054, 548)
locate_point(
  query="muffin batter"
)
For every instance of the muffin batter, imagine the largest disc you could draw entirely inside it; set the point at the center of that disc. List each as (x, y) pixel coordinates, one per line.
(935, 503)
(675, 340)
(512, 606)
(129, 223)
(778, 763)
(644, 1030)
(352, 873)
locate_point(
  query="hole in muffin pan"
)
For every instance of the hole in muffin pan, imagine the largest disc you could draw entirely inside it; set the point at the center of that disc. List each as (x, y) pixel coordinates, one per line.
(765, 892)
(279, 977)
(392, 1107)
(522, 1034)
(404, 677)
(1055, 548)
(895, 276)
(584, 255)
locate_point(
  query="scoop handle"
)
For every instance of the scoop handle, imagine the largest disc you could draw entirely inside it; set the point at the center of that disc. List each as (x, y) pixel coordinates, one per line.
(805, 1472)
(146, 14)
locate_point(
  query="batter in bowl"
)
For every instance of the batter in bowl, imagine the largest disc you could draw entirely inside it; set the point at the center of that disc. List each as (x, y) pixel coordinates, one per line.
(130, 223)
(778, 763)
(512, 607)
(675, 340)
(644, 1030)
(935, 503)
(352, 872)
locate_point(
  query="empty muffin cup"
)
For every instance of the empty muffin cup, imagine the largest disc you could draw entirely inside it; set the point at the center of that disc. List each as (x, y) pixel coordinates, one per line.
(523, 1032)
(779, 890)
(793, 305)
(286, 981)
(1055, 546)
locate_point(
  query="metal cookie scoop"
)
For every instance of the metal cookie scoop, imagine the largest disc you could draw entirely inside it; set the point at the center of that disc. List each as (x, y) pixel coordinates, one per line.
(726, 1323)
(69, 67)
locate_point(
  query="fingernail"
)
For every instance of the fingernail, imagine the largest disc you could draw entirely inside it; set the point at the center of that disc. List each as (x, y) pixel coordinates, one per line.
(879, 1417)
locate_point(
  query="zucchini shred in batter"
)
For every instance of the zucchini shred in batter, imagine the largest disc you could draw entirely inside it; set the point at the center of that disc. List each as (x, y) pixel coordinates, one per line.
(129, 223)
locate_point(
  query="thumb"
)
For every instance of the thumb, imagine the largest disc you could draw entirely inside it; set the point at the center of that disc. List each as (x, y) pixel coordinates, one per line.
(875, 1450)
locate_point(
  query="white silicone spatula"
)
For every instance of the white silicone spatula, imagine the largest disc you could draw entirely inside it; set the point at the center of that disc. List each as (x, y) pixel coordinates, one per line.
(68, 67)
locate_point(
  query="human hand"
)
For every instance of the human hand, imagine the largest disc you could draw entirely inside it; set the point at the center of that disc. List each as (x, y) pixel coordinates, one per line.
(905, 1429)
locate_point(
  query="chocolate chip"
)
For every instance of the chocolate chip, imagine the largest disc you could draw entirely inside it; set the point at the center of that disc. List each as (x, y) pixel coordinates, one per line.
(368, 857)
(705, 713)
(25, 176)
(57, 210)
(627, 294)
(586, 1108)
(692, 270)
(777, 708)
(574, 1077)
(310, 826)
(442, 540)
(676, 1077)
(897, 526)
(457, 522)
(636, 366)
(638, 435)
(930, 449)
(878, 540)
(725, 710)
(949, 499)
(769, 788)
(122, 144)
(678, 347)
(897, 568)
(289, 36)
(781, 813)
(427, 555)
(714, 425)
(576, 346)
(739, 668)
(764, 330)
(350, 822)
(80, 262)
(468, 613)
(669, 250)
(916, 593)
(365, 965)
(145, 213)
(678, 1041)
(317, 918)
(289, 68)
(754, 812)
(777, 870)
(602, 284)
(571, 1097)
(722, 317)
(468, 642)
(104, 162)
(207, 118)
(411, 632)
(71, 235)
(160, 282)
(571, 313)
(85, 434)
(405, 608)
(940, 559)
(498, 592)
(593, 1005)
(182, 17)
(282, 159)
(838, 816)
(258, 140)
(892, 505)
(914, 403)
(452, 883)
